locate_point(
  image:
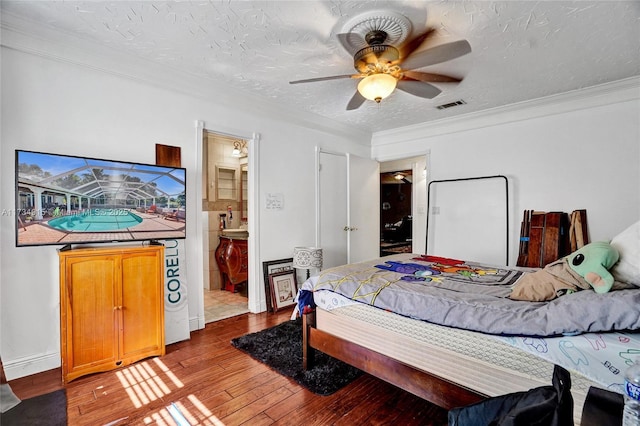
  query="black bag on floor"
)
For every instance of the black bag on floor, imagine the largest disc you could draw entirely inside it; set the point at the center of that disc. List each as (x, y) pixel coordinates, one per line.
(543, 406)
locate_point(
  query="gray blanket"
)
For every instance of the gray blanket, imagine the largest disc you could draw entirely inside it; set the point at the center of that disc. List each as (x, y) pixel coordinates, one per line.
(475, 297)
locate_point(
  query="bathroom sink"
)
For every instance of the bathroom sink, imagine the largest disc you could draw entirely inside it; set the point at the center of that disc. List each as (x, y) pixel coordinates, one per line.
(235, 232)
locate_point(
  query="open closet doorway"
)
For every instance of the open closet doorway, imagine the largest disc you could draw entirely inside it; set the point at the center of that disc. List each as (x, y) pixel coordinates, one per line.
(225, 210)
(403, 190)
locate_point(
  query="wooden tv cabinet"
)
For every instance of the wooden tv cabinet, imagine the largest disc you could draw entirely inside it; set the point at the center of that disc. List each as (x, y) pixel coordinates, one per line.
(111, 307)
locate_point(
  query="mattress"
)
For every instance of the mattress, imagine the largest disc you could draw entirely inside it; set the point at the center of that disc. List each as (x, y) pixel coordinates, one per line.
(473, 360)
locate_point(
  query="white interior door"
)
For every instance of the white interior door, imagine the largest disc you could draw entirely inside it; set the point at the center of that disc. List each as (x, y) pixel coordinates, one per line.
(332, 208)
(363, 209)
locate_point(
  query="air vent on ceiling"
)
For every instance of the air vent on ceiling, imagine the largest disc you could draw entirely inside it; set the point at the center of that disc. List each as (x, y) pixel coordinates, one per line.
(451, 104)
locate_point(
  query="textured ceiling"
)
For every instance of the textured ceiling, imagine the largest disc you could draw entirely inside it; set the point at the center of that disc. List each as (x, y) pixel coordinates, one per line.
(521, 50)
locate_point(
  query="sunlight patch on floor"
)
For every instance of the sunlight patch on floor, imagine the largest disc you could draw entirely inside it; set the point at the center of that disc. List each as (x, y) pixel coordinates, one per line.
(144, 385)
(177, 413)
(160, 418)
(205, 411)
(169, 373)
(145, 382)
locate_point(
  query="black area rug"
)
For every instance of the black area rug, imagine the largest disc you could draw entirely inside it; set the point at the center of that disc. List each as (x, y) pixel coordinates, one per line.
(44, 410)
(280, 348)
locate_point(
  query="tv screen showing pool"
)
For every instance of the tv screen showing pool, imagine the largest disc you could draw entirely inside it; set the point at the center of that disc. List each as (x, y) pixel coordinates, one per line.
(62, 199)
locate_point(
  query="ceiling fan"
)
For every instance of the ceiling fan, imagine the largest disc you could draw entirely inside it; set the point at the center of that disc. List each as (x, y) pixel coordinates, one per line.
(383, 67)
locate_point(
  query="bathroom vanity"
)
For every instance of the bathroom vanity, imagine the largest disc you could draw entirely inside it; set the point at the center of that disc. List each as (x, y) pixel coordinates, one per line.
(232, 258)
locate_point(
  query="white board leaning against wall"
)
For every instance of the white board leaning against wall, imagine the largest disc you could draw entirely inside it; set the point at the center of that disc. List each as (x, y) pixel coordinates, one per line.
(468, 219)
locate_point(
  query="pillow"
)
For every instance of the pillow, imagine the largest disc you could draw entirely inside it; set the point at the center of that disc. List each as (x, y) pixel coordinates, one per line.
(627, 270)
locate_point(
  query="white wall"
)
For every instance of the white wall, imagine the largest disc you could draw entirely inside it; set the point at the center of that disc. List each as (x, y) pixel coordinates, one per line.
(59, 107)
(588, 158)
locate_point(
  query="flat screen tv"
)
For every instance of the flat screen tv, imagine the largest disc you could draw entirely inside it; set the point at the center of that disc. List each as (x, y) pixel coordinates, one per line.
(66, 200)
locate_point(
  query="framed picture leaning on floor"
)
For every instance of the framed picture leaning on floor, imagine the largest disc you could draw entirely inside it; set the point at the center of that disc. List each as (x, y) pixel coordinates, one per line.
(271, 267)
(283, 288)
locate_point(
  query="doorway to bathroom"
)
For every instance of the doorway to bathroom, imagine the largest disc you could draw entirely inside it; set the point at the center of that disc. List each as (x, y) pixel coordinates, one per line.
(225, 213)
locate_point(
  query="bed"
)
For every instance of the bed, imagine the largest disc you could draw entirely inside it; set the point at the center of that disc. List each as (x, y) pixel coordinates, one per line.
(450, 359)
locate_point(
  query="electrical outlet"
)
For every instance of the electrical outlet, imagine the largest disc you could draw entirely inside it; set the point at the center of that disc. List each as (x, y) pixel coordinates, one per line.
(435, 210)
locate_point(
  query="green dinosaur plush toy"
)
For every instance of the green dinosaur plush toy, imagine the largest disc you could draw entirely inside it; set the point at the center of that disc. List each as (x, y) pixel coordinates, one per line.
(583, 269)
(592, 262)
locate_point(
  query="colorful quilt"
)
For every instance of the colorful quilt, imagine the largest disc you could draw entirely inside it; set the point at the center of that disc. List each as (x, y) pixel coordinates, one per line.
(468, 295)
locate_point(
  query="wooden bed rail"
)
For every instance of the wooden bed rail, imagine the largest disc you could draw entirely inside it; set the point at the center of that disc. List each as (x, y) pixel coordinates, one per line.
(434, 389)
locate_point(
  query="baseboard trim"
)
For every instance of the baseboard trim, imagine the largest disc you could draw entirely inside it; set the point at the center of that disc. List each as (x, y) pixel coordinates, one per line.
(196, 323)
(22, 367)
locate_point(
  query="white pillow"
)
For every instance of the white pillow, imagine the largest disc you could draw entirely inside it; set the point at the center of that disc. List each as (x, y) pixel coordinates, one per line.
(627, 270)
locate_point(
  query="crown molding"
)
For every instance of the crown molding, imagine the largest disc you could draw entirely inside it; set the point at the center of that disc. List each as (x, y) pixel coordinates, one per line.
(36, 39)
(591, 97)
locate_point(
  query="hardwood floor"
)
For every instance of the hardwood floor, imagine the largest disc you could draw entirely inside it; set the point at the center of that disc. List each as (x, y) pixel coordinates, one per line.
(212, 383)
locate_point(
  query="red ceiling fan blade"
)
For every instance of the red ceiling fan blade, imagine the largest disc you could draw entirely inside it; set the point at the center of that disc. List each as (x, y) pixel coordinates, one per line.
(435, 55)
(333, 77)
(419, 88)
(356, 101)
(432, 78)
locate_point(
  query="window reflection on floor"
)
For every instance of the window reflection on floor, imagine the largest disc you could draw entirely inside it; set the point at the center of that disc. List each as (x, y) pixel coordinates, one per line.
(152, 380)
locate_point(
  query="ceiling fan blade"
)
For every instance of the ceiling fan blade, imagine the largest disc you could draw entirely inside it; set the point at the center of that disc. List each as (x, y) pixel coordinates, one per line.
(432, 78)
(356, 101)
(435, 55)
(352, 42)
(419, 88)
(410, 46)
(333, 77)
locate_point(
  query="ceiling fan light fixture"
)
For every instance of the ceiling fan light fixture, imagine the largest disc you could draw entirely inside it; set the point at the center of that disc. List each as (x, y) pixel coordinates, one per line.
(376, 87)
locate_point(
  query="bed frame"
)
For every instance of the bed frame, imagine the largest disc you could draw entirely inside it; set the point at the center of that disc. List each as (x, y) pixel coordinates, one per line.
(441, 392)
